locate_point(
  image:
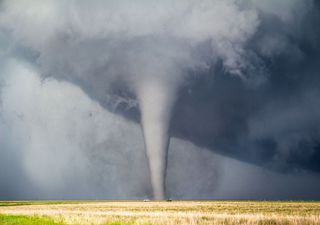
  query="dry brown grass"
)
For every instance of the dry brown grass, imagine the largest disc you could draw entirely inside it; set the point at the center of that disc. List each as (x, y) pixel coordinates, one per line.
(176, 212)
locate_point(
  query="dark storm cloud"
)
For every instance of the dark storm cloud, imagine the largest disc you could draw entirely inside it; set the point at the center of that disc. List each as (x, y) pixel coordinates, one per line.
(275, 124)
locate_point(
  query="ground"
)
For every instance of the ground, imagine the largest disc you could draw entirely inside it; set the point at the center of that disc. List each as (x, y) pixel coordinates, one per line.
(159, 212)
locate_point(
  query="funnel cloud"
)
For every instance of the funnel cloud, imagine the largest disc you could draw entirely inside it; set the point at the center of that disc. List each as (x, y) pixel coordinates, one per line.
(144, 99)
(156, 103)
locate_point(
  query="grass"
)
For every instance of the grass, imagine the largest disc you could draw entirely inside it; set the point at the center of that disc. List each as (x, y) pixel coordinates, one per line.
(157, 212)
(27, 220)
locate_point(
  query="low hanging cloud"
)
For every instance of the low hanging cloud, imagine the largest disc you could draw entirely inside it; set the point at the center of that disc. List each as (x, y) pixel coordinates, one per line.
(58, 143)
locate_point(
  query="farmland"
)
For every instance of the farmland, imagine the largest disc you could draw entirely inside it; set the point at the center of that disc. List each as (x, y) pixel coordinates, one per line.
(159, 212)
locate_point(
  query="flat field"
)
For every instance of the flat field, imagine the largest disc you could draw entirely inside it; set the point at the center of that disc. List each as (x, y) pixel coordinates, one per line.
(159, 212)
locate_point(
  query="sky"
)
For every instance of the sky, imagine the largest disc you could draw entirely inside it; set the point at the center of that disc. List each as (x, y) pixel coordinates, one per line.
(234, 83)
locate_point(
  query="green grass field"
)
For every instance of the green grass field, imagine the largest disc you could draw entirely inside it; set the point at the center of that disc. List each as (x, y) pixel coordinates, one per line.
(159, 212)
(30, 220)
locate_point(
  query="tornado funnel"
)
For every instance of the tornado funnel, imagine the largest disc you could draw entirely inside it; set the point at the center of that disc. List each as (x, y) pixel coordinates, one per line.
(156, 98)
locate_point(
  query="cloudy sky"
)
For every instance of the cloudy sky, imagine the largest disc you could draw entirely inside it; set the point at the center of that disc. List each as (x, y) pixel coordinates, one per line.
(238, 83)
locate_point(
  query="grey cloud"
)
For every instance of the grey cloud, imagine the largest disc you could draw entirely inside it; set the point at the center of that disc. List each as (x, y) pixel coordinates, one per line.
(244, 74)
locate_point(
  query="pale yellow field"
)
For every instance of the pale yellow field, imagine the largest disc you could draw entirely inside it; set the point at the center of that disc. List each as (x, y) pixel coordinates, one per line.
(175, 212)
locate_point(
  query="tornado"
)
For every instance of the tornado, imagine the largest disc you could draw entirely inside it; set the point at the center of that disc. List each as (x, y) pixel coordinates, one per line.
(156, 98)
